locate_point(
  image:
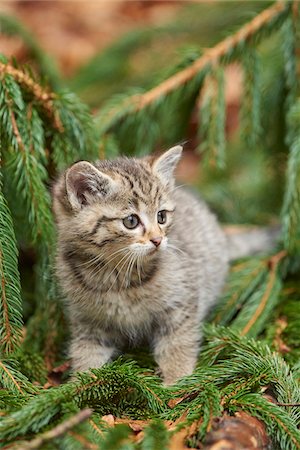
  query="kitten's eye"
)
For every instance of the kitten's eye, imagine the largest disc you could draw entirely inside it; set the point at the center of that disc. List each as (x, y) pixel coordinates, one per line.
(131, 221)
(162, 216)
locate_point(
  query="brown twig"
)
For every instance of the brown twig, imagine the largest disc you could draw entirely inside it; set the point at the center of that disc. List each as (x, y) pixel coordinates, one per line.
(57, 431)
(287, 404)
(44, 97)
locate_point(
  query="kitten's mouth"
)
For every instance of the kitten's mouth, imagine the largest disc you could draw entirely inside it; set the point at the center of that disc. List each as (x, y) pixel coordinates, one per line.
(153, 251)
(150, 252)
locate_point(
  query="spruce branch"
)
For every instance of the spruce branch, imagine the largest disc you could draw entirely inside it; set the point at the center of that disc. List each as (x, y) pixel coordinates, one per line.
(225, 50)
(9, 374)
(289, 49)
(263, 299)
(11, 320)
(13, 380)
(55, 432)
(246, 357)
(42, 96)
(103, 389)
(251, 108)
(252, 292)
(291, 204)
(212, 117)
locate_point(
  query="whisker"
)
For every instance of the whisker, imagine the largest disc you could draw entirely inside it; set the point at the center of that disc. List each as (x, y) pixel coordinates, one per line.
(129, 260)
(115, 268)
(99, 257)
(100, 268)
(173, 247)
(130, 269)
(138, 267)
(177, 187)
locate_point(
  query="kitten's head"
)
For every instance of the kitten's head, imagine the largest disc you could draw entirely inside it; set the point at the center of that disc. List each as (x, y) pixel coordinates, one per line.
(121, 207)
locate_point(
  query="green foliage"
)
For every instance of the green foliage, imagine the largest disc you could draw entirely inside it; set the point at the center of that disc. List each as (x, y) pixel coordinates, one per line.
(291, 208)
(11, 303)
(212, 117)
(42, 132)
(131, 112)
(251, 108)
(156, 437)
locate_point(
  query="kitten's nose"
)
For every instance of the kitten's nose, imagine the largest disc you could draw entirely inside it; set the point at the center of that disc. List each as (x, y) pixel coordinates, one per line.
(156, 241)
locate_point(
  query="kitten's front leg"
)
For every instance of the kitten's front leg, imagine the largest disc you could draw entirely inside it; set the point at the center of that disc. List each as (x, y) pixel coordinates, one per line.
(176, 352)
(89, 352)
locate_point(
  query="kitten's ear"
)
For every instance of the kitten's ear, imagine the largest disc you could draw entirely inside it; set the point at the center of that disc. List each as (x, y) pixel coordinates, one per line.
(84, 183)
(165, 164)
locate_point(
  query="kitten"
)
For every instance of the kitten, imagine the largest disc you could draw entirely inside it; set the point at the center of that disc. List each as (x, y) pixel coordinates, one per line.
(137, 258)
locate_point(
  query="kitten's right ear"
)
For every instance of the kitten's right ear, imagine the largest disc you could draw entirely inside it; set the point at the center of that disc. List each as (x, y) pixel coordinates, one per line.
(84, 182)
(165, 165)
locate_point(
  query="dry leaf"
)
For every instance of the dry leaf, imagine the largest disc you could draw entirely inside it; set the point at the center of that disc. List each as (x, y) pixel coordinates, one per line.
(177, 441)
(109, 419)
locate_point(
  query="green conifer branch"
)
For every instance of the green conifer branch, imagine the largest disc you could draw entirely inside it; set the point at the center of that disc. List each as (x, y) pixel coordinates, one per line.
(251, 107)
(212, 118)
(11, 320)
(259, 306)
(155, 436)
(289, 49)
(291, 204)
(55, 432)
(102, 389)
(226, 51)
(43, 97)
(13, 380)
(11, 400)
(248, 357)
(242, 282)
(253, 291)
(79, 139)
(118, 439)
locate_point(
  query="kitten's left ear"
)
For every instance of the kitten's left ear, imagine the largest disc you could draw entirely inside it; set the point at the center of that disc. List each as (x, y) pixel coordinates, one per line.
(165, 165)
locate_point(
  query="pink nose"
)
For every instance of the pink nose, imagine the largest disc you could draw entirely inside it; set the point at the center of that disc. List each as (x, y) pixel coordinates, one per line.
(156, 241)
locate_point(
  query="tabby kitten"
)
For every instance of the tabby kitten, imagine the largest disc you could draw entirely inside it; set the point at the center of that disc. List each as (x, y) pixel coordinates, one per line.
(137, 258)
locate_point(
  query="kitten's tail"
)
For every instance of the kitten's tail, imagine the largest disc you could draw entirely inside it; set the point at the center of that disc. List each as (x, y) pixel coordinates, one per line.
(247, 241)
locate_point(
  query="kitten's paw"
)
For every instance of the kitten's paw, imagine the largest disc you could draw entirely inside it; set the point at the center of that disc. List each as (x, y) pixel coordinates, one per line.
(87, 355)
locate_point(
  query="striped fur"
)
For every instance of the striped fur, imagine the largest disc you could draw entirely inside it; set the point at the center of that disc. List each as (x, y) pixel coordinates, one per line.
(121, 289)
